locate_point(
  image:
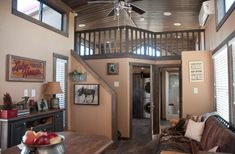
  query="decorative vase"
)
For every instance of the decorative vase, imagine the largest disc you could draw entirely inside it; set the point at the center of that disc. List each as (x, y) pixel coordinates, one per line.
(6, 114)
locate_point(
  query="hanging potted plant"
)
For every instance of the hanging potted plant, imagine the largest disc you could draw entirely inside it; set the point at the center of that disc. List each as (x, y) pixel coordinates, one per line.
(78, 75)
(7, 108)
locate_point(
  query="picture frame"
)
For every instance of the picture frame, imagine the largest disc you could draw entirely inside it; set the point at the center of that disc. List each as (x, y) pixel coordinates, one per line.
(25, 69)
(86, 94)
(112, 68)
(42, 105)
(196, 71)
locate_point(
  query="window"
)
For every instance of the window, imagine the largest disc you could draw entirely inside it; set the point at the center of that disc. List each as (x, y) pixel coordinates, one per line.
(150, 51)
(51, 17)
(29, 7)
(223, 9)
(228, 4)
(85, 50)
(221, 84)
(40, 13)
(60, 74)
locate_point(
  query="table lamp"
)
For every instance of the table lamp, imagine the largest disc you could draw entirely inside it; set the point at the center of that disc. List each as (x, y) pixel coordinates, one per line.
(53, 88)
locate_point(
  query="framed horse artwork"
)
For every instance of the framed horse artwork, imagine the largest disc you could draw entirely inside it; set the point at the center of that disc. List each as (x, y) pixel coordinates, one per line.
(86, 94)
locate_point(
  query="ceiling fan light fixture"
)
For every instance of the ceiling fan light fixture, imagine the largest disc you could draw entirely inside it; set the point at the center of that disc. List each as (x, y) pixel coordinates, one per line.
(167, 13)
(177, 24)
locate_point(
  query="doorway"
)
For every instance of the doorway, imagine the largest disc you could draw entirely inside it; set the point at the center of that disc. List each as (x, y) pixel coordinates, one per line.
(170, 94)
(141, 128)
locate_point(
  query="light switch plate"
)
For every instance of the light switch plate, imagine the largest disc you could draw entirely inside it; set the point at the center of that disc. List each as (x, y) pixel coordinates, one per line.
(116, 83)
(26, 93)
(195, 90)
(33, 93)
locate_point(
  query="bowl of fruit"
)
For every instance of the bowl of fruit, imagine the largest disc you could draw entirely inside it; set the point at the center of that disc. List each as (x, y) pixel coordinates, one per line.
(42, 142)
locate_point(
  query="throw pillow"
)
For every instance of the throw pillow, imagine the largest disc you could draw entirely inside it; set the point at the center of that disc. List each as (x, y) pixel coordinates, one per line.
(192, 117)
(194, 130)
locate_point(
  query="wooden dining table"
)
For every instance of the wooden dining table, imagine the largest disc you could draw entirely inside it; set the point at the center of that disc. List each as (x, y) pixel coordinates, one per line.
(75, 143)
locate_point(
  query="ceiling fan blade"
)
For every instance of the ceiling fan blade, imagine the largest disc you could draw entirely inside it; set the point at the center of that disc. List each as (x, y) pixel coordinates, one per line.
(99, 2)
(111, 13)
(137, 9)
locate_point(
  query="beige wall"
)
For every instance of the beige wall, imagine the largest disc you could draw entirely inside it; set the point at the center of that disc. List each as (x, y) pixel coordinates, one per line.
(202, 102)
(123, 91)
(89, 119)
(213, 38)
(23, 38)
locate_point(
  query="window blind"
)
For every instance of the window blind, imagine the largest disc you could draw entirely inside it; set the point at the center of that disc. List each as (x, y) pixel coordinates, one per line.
(220, 60)
(61, 77)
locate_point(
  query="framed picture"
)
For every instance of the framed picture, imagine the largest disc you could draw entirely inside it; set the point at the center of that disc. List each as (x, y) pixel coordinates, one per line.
(42, 105)
(112, 68)
(25, 69)
(196, 71)
(86, 94)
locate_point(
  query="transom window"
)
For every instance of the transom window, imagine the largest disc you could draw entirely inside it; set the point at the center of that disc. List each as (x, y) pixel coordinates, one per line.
(40, 13)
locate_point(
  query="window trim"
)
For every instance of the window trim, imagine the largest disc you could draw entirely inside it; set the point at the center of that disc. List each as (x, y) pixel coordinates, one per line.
(64, 19)
(230, 76)
(55, 56)
(220, 23)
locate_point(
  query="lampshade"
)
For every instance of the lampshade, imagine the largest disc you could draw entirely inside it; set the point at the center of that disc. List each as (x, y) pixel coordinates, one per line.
(53, 88)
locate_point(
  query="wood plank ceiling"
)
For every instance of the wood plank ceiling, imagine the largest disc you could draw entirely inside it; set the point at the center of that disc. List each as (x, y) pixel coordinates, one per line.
(183, 11)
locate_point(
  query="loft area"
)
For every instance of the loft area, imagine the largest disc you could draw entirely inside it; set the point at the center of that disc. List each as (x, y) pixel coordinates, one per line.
(134, 42)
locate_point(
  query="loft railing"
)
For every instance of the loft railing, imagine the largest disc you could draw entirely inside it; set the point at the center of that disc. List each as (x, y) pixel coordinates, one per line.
(126, 41)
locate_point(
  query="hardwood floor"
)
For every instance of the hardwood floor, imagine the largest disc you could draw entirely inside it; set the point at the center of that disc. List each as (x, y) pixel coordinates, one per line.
(141, 135)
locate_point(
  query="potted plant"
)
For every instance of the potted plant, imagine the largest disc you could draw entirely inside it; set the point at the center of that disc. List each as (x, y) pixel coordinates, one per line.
(78, 75)
(7, 108)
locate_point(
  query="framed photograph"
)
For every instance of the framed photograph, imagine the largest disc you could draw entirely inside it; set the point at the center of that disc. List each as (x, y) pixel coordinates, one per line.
(112, 68)
(86, 94)
(25, 69)
(42, 105)
(196, 71)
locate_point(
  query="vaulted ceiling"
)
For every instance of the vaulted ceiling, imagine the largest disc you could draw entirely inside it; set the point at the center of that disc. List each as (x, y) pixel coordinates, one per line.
(183, 11)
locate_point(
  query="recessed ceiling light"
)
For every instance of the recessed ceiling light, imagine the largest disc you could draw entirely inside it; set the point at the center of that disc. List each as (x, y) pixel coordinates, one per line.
(167, 13)
(141, 18)
(81, 25)
(177, 24)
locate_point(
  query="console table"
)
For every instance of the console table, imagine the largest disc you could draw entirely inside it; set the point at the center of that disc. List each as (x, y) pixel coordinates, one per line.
(76, 143)
(12, 130)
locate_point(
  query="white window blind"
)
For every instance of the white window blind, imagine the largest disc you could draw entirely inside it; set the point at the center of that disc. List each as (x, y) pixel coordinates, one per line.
(60, 77)
(221, 83)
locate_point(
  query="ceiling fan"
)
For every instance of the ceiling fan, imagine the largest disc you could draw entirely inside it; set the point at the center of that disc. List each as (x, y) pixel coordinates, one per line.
(120, 5)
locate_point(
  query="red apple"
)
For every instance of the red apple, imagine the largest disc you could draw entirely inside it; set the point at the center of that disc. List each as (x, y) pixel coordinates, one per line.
(42, 140)
(52, 135)
(29, 137)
